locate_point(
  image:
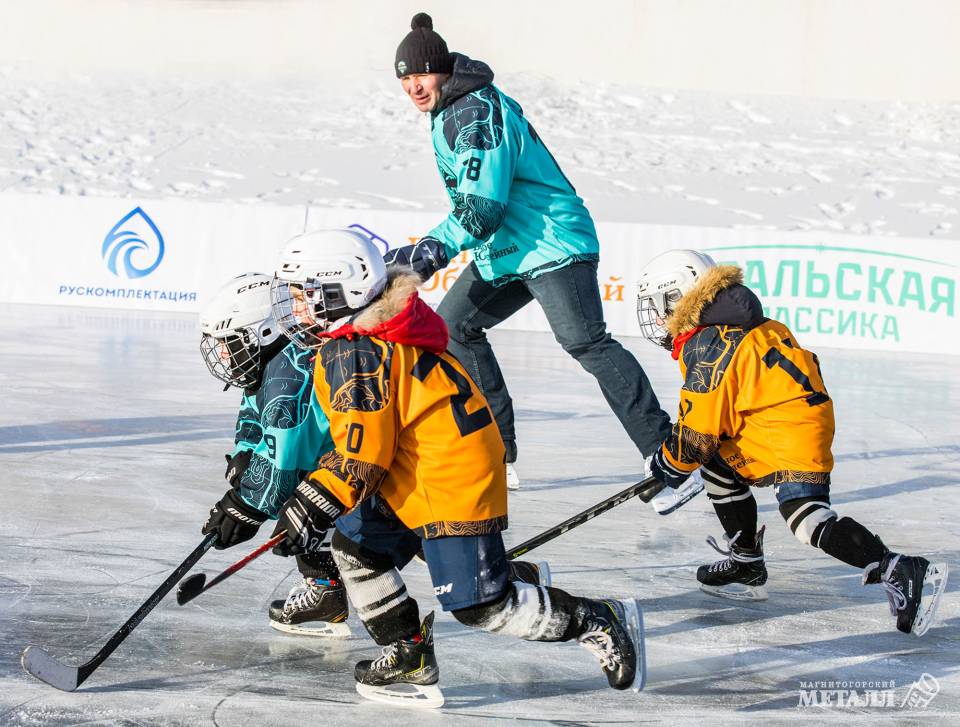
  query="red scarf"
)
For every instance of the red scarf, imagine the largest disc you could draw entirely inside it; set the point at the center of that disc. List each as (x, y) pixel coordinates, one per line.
(416, 325)
(682, 339)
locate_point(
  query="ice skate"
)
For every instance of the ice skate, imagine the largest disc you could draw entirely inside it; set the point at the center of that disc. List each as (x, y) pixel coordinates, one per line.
(613, 631)
(406, 673)
(913, 585)
(668, 500)
(740, 576)
(315, 607)
(536, 574)
(513, 479)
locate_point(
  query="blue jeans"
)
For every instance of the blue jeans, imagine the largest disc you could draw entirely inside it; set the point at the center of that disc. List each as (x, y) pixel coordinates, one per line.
(570, 298)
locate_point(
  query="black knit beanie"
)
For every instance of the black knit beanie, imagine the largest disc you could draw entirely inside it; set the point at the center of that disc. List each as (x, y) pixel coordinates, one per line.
(422, 51)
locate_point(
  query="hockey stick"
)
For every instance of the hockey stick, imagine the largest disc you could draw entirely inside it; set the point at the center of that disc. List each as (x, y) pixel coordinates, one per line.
(193, 586)
(645, 490)
(57, 674)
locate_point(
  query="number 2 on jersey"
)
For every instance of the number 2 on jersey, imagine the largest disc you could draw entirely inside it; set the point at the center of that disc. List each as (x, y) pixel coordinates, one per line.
(467, 423)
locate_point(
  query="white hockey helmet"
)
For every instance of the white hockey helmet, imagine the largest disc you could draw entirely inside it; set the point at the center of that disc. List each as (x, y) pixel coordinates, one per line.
(323, 276)
(662, 283)
(237, 325)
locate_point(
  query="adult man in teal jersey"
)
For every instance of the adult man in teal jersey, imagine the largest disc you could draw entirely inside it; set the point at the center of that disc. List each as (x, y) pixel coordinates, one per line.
(530, 235)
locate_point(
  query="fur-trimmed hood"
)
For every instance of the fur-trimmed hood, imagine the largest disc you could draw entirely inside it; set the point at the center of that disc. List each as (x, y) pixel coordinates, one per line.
(718, 298)
(398, 315)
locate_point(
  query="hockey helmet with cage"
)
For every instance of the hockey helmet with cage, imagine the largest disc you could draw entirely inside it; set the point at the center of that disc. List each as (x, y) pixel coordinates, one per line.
(237, 325)
(324, 276)
(662, 283)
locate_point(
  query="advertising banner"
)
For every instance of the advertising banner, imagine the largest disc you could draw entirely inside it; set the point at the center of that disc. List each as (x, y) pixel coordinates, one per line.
(844, 291)
(122, 253)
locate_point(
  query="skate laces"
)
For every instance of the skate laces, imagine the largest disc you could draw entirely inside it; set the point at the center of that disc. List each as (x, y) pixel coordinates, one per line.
(597, 641)
(731, 553)
(895, 596)
(387, 658)
(303, 595)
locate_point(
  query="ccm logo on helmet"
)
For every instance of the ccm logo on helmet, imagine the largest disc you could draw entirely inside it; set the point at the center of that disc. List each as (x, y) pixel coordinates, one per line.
(252, 286)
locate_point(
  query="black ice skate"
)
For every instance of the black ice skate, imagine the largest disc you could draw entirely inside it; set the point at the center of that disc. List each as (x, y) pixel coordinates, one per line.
(613, 631)
(405, 675)
(740, 576)
(913, 585)
(316, 607)
(536, 574)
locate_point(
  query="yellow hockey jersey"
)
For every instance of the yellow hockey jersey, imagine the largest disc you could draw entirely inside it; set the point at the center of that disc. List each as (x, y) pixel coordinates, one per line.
(750, 393)
(407, 421)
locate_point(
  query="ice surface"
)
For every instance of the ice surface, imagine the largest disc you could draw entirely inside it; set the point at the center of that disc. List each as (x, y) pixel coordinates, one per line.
(111, 442)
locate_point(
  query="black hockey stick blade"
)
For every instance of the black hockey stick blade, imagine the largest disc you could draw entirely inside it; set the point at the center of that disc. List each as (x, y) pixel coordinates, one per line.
(190, 588)
(39, 663)
(44, 667)
(645, 490)
(196, 584)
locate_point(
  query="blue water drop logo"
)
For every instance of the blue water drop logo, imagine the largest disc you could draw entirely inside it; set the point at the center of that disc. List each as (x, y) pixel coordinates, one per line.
(133, 242)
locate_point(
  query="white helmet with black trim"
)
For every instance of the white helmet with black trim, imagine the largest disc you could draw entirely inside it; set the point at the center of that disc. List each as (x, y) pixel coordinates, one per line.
(237, 325)
(662, 283)
(324, 276)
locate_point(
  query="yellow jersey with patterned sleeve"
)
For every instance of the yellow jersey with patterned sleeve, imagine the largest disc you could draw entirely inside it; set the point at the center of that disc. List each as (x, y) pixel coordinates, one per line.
(408, 423)
(751, 394)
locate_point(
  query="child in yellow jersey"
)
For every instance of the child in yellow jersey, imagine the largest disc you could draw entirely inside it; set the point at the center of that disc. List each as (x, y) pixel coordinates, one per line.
(417, 462)
(753, 412)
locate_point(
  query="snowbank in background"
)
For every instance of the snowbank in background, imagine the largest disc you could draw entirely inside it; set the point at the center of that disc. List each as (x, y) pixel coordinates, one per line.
(635, 155)
(881, 49)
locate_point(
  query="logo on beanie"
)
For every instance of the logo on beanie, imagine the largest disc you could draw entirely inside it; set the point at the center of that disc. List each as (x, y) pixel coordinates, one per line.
(427, 66)
(401, 67)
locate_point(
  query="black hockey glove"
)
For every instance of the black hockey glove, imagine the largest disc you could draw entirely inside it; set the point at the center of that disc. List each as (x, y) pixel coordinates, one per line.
(424, 258)
(236, 466)
(233, 520)
(663, 471)
(306, 516)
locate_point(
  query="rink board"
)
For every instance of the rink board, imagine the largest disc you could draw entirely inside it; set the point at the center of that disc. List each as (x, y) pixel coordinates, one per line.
(868, 293)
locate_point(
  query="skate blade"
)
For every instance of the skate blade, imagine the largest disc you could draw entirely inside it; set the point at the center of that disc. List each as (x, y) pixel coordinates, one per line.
(634, 623)
(544, 576)
(934, 584)
(513, 479)
(410, 696)
(315, 629)
(737, 592)
(668, 501)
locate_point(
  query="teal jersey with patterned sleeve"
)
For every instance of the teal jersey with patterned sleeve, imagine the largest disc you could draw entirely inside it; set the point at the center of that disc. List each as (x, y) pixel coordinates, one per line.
(513, 208)
(284, 426)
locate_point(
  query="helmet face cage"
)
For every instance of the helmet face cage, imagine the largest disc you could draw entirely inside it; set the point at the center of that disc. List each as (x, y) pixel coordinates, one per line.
(652, 314)
(234, 358)
(305, 310)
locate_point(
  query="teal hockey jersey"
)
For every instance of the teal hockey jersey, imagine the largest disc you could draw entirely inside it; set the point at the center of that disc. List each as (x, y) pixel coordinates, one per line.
(285, 428)
(513, 208)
